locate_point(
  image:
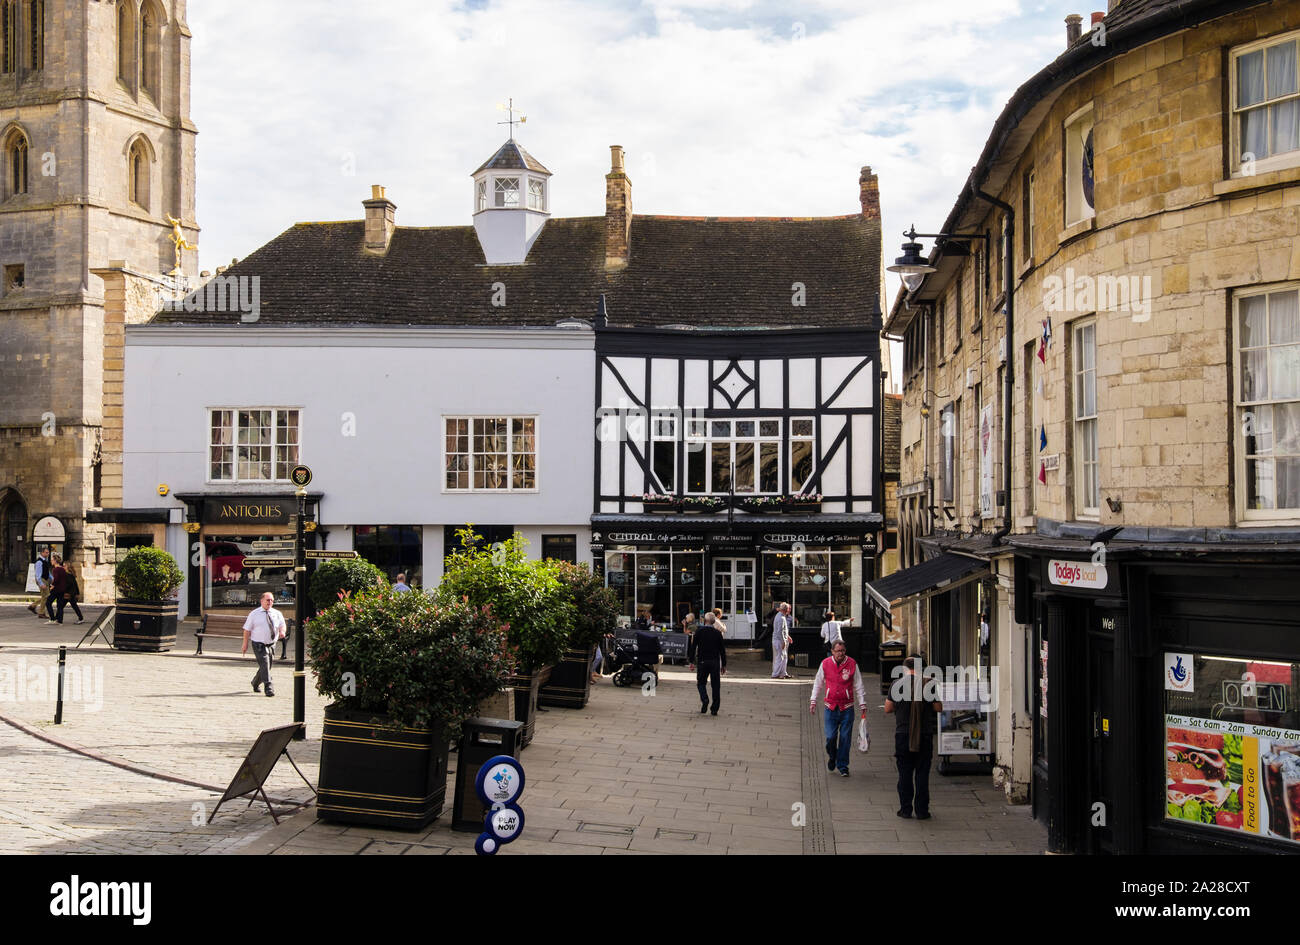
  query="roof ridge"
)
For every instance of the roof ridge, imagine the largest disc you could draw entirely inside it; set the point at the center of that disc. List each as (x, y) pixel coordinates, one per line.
(748, 219)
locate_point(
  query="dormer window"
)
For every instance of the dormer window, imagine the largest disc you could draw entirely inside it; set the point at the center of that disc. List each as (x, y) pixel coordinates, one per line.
(507, 192)
(536, 194)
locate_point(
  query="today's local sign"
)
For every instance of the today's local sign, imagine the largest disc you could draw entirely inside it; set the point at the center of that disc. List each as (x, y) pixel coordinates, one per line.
(1076, 574)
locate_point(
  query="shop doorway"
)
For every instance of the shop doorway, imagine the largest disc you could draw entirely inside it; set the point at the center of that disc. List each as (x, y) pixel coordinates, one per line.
(1101, 679)
(733, 591)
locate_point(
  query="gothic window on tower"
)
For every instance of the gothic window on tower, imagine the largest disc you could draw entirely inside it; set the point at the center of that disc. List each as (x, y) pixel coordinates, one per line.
(36, 34)
(137, 172)
(480, 196)
(15, 148)
(151, 50)
(9, 31)
(507, 192)
(126, 45)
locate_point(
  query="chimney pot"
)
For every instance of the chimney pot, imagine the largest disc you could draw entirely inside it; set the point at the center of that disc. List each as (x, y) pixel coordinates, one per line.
(1097, 17)
(1073, 29)
(618, 211)
(380, 220)
(869, 194)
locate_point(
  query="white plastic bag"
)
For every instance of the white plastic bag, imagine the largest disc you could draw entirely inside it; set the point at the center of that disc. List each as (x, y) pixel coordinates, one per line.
(864, 737)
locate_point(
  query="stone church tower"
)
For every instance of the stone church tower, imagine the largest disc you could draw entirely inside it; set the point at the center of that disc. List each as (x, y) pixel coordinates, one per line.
(96, 149)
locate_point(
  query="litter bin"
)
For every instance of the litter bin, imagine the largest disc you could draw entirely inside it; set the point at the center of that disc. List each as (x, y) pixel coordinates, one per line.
(480, 740)
(892, 654)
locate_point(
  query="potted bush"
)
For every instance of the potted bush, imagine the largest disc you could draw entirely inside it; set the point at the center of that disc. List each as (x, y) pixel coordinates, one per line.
(597, 609)
(528, 596)
(404, 672)
(145, 619)
(336, 577)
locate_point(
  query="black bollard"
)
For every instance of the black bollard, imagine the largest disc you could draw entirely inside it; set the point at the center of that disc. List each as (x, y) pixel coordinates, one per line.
(58, 706)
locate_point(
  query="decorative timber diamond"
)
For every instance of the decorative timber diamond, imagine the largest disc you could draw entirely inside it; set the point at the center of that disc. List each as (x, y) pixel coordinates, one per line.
(734, 383)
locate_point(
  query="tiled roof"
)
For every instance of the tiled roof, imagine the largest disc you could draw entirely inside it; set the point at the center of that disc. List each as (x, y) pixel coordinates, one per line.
(700, 272)
(510, 156)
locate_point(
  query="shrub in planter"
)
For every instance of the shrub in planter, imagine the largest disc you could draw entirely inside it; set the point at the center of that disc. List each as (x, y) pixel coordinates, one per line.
(404, 672)
(145, 619)
(527, 595)
(147, 574)
(597, 609)
(335, 575)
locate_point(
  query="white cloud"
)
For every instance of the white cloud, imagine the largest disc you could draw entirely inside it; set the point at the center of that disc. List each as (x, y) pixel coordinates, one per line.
(732, 108)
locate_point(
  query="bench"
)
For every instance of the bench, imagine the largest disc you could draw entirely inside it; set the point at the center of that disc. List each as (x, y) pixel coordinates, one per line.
(231, 626)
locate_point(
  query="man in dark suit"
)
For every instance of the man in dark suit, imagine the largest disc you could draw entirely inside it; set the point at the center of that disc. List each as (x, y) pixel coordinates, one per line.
(917, 714)
(708, 657)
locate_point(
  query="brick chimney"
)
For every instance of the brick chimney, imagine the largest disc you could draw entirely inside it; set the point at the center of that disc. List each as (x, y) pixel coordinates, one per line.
(379, 220)
(1073, 29)
(618, 210)
(869, 194)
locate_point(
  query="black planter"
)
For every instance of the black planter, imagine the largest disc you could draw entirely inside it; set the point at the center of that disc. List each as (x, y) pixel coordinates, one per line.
(148, 626)
(526, 687)
(394, 778)
(660, 506)
(570, 684)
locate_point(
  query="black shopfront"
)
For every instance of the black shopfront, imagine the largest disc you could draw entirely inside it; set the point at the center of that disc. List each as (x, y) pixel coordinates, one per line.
(665, 567)
(1163, 693)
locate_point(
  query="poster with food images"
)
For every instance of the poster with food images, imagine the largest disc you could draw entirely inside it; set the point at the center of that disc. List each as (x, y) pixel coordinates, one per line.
(1233, 776)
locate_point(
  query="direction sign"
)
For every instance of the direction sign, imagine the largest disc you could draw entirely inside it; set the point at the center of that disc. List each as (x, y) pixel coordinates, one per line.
(321, 553)
(273, 545)
(267, 562)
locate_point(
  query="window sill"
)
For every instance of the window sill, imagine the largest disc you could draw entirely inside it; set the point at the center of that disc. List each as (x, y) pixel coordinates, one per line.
(1075, 230)
(1240, 185)
(1027, 265)
(1255, 520)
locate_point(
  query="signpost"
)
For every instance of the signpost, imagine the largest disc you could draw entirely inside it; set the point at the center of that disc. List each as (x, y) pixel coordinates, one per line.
(268, 561)
(300, 476)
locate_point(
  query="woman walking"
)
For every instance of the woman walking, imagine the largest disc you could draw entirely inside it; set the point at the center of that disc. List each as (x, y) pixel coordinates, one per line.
(831, 631)
(71, 593)
(58, 586)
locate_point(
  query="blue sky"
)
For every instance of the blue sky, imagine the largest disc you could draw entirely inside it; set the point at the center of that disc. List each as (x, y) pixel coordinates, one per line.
(727, 108)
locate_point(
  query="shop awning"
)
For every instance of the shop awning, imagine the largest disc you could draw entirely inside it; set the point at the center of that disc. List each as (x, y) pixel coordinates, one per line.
(936, 576)
(127, 515)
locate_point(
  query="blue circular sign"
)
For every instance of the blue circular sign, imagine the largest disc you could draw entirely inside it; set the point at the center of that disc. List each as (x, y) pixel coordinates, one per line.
(500, 781)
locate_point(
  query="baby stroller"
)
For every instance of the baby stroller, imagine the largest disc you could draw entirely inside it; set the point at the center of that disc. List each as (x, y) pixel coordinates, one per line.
(632, 663)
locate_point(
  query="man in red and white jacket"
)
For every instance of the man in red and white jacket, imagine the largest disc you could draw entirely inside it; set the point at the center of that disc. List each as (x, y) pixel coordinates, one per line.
(838, 677)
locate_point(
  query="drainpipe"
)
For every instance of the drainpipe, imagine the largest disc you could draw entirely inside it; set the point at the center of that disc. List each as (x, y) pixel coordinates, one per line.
(1008, 242)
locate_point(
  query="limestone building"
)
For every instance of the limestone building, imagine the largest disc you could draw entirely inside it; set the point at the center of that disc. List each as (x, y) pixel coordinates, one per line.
(1120, 301)
(97, 149)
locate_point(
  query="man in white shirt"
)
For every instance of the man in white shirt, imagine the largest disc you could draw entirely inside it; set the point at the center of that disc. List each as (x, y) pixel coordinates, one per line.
(263, 628)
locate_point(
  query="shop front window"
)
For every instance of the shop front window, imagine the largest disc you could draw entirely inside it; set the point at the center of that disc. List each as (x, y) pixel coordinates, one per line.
(394, 549)
(661, 584)
(1232, 744)
(813, 582)
(228, 581)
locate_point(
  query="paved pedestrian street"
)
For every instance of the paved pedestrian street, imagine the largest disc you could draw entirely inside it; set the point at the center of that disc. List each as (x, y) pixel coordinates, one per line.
(630, 773)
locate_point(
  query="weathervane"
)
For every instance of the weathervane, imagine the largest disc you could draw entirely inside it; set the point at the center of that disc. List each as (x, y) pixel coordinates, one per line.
(509, 108)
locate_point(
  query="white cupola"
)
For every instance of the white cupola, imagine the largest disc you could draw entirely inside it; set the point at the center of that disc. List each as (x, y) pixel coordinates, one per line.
(511, 204)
